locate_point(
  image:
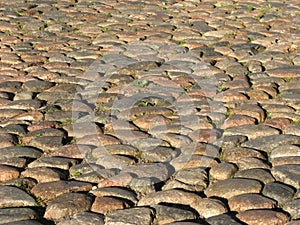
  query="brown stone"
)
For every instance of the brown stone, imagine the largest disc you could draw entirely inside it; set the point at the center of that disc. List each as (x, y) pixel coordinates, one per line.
(66, 205)
(250, 201)
(238, 120)
(251, 110)
(262, 217)
(50, 190)
(8, 173)
(237, 153)
(106, 204)
(222, 171)
(230, 96)
(43, 174)
(279, 123)
(231, 187)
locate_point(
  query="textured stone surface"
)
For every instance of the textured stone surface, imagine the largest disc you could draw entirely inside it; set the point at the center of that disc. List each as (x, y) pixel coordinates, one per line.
(138, 216)
(67, 205)
(231, 187)
(15, 197)
(259, 216)
(191, 107)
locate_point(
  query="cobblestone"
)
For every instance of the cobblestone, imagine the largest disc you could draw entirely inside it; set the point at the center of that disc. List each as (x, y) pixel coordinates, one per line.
(149, 112)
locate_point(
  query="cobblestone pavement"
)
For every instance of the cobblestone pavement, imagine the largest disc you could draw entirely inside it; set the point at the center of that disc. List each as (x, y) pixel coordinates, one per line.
(154, 112)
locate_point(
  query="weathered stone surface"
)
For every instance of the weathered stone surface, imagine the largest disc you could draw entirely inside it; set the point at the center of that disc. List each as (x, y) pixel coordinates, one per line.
(50, 190)
(67, 205)
(104, 205)
(292, 207)
(116, 192)
(231, 187)
(14, 197)
(84, 218)
(253, 132)
(245, 202)
(222, 219)
(234, 154)
(168, 214)
(16, 215)
(44, 174)
(54, 162)
(209, 207)
(271, 142)
(169, 196)
(289, 174)
(8, 172)
(222, 171)
(137, 216)
(25, 222)
(18, 151)
(279, 192)
(262, 175)
(154, 84)
(259, 216)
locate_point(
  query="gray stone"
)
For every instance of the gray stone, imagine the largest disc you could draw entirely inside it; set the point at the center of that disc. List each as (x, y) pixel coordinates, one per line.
(293, 208)
(231, 187)
(285, 151)
(223, 219)
(279, 192)
(262, 175)
(233, 141)
(25, 222)
(271, 142)
(47, 144)
(168, 214)
(115, 192)
(170, 196)
(156, 170)
(16, 214)
(56, 162)
(86, 218)
(253, 132)
(289, 174)
(14, 197)
(209, 207)
(133, 216)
